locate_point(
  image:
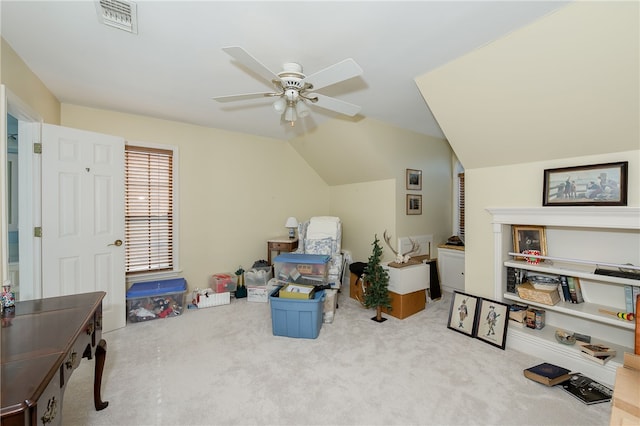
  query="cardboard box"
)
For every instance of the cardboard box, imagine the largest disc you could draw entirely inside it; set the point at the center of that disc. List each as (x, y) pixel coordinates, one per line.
(408, 279)
(297, 291)
(626, 392)
(405, 305)
(527, 291)
(259, 293)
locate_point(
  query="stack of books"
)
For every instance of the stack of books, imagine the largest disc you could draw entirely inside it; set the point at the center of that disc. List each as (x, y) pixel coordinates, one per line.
(577, 385)
(597, 352)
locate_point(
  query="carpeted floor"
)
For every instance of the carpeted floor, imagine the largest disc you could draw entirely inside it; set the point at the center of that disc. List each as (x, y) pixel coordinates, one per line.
(223, 366)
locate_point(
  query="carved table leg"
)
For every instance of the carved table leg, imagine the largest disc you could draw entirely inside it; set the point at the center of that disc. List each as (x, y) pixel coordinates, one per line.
(101, 353)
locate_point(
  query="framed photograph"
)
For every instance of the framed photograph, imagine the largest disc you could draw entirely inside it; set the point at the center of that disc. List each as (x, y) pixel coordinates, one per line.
(595, 185)
(414, 179)
(414, 204)
(492, 322)
(527, 237)
(462, 313)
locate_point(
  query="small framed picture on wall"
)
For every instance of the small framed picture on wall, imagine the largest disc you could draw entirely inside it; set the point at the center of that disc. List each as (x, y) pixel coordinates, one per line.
(414, 179)
(414, 204)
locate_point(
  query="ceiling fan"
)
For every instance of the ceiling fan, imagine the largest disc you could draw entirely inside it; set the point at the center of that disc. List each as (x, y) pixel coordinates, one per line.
(293, 89)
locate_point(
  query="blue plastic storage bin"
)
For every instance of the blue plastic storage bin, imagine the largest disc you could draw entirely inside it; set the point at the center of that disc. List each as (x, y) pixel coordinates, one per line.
(156, 299)
(296, 318)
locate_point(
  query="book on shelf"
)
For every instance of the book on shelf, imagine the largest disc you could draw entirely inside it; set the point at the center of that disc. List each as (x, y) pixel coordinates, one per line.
(547, 374)
(630, 295)
(596, 349)
(575, 282)
(575, 292)
(564, 283)
(586, 389)
(600, 359)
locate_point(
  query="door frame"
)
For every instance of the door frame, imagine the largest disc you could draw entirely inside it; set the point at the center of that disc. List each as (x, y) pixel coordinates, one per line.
(29, 200)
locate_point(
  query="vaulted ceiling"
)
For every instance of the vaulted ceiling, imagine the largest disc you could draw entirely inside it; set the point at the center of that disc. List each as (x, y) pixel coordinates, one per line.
(174, 65)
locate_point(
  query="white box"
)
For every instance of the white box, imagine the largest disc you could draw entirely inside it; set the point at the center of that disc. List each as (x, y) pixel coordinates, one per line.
(207, 298)
(408, 279)
(259, 293)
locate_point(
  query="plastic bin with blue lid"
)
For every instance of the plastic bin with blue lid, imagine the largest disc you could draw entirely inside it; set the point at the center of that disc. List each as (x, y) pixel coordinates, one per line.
(296, 317)
(156, 299)
(301, 268)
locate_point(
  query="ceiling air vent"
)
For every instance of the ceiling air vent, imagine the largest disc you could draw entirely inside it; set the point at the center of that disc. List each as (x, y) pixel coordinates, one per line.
(119, 14)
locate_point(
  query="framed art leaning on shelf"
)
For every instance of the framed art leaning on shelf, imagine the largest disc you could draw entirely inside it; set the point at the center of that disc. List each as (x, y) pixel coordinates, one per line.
(462, 313)
(492, 322)
(528, 237)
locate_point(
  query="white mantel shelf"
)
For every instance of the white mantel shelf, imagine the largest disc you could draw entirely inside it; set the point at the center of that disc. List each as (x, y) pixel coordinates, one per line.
(587, 216)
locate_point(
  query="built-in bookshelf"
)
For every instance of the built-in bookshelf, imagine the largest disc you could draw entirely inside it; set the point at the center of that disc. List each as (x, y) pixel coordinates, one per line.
(579, 239)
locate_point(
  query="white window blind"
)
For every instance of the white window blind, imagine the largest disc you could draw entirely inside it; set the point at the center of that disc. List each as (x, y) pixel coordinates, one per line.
(148, 209)
(461, 205)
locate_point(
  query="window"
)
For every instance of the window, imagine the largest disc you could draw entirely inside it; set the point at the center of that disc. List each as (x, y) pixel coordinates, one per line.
(461, 205)
(149, 212)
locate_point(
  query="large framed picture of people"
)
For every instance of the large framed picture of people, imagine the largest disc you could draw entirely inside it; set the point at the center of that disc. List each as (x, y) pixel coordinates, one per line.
(594, 185)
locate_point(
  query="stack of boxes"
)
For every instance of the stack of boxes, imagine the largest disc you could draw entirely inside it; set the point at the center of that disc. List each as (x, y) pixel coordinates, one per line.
(299, 314)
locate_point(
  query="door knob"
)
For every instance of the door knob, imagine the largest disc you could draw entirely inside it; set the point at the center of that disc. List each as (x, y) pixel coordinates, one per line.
(116, 243)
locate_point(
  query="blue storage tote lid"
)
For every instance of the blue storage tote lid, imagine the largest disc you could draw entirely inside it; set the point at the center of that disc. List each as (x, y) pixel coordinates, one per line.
(157, 288)
(317, 259)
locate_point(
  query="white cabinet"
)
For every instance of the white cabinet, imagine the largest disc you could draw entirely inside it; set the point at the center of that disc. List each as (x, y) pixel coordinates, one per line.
(578, 240)
(451, 268)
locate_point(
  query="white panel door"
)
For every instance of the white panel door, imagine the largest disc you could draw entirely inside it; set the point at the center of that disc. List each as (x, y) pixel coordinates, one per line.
(83, 217)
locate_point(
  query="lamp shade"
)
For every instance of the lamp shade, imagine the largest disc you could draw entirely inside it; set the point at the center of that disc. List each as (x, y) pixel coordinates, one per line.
(292, 222)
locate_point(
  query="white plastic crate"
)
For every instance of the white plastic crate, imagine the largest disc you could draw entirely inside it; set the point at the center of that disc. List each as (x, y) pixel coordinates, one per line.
(207, 298)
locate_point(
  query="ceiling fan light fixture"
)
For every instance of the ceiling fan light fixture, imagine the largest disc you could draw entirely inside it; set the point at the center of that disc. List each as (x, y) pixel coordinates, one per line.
(290, 115)
(279, 105)
(302, 110)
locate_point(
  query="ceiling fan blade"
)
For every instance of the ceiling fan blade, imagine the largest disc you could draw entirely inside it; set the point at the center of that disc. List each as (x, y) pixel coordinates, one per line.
(242, 56)
(334, 74)
(334, 104)
(243, 97)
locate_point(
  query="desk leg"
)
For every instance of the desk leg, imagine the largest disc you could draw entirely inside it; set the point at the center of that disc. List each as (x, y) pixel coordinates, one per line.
(101, 353)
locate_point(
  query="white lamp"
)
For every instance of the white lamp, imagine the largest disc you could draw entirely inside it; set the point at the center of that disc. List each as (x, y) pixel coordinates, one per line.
(292, 224)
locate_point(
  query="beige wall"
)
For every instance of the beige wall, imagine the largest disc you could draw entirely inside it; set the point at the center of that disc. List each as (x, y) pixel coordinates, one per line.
(565, 86)
(24, 84)
(359, 205)
(345, 153)
(236, 190)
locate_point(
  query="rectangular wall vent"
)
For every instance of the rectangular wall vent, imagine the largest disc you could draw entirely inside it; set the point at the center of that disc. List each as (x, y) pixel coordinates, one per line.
(118, 14)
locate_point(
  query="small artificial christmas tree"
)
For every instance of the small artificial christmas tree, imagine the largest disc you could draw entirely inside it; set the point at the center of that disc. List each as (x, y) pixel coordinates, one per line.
(377, 280)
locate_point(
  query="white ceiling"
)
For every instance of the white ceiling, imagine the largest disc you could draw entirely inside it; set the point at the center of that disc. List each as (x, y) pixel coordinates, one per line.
(174, 65)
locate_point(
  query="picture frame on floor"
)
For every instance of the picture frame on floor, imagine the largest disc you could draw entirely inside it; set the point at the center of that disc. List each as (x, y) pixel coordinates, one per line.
(492, 322)
(462, 313)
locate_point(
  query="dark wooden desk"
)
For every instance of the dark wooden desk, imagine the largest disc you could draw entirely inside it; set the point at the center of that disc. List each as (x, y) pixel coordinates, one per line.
(43, 341)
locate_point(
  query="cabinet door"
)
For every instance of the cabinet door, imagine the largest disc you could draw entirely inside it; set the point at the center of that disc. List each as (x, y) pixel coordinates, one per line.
(451, 269)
